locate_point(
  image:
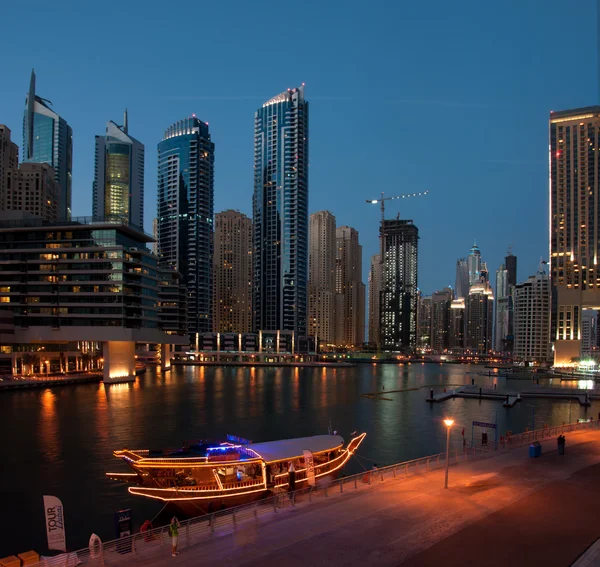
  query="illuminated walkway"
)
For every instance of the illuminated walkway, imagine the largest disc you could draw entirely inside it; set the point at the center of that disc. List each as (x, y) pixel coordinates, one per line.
(506, 510)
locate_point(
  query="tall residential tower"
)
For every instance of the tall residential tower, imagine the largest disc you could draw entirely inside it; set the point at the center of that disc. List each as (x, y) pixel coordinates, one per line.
(119, 175)
(185, 214)
(574, 219)
(321, 277)
(399, 294)
(47, 138)
(232, 295)
(280, 214)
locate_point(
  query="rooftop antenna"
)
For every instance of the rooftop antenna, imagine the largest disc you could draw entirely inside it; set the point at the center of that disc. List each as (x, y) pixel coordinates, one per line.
(125, 125)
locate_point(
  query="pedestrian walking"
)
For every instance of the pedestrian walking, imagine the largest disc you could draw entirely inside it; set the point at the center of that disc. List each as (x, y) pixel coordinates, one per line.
(174, 533)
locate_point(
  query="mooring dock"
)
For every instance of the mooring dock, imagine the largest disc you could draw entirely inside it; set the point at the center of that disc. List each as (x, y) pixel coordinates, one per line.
(509, 399)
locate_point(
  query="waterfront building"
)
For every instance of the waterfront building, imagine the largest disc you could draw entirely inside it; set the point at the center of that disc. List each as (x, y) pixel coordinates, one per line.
(9, 159)
(322, 277)
(47, 138)
(32, 188)
(424, 320)
(480, 316)
(532, 313)
(456, 340)
(350, 290)
(118, 188)
(280, 214)
(461, 287)
(75, 287)
(503, 314)
(374, 298)
(172, 302)
(474, 265)
(232, 290)
(400, 286)
(589, 334)
(574, 217)
(440, 319)
(185, 214)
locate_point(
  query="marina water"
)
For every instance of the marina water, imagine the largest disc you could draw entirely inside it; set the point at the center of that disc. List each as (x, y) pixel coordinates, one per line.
(59, 441)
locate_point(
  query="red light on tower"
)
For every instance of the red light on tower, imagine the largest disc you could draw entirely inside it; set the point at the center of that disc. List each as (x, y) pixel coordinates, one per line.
(558, 153)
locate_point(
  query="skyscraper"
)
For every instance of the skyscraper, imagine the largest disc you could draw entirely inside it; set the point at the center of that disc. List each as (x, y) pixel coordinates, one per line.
(574, 225)
(511, 267)
(185, 213)
(374, 298)
(232, 290)
(32, 188)
(474, 264)
(350, 290)
(503, 304)
(440, 319)
(321, 277)
(424, 318)
(47, 138)
(461, 286)
(280, 213)
(457, 325)
(480, 315)
(9, 159)
(532, 310)
(399, 288)
(119, 175)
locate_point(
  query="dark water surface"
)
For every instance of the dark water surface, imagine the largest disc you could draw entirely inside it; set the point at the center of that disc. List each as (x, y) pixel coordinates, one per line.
(60, 441)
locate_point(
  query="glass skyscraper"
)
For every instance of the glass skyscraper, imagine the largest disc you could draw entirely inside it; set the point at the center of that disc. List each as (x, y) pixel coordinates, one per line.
(47, 138)
(280, 211)
(119, 175)
(185, 214)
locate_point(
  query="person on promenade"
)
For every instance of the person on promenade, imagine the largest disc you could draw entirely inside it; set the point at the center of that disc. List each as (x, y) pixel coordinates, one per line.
(174, 533)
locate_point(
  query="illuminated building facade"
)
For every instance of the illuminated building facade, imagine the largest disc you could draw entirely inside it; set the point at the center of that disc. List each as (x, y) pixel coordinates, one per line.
(399, 294)
(85, 281)
(185, 214)
(232, 295)
(119, 175)
(424, 318)
(374, 298)
(47, 138)
(440, 319)
(280, 214)
(321, 277)
(532, 318)
(9, 159)
(574, 218)
(474, 265)
(350, 290)
(32, 188)
(480, 316)
(456, 340)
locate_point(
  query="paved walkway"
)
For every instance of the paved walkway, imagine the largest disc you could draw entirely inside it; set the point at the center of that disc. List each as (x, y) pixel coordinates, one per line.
(506, 510)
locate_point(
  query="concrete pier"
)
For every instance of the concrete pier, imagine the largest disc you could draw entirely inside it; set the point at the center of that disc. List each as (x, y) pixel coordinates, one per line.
(508, 509)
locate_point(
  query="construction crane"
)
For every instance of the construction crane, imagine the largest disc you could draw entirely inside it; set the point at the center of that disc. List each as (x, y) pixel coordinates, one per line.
(382, 200)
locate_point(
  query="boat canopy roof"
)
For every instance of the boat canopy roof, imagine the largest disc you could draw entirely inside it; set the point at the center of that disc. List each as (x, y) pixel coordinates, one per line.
(292, 448)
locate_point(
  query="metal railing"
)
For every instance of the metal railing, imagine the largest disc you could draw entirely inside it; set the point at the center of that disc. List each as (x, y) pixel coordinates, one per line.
(193, 530)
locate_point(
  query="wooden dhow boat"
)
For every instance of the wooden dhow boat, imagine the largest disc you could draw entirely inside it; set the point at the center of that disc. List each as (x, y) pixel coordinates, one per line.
(210, 476)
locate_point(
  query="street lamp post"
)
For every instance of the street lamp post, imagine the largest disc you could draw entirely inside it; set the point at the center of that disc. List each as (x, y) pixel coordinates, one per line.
(448, 423)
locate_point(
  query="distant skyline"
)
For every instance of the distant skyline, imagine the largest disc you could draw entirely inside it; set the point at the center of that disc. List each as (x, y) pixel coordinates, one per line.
(404, 97)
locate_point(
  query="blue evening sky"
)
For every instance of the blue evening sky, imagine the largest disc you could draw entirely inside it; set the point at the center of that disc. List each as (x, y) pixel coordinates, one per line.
(452, 97)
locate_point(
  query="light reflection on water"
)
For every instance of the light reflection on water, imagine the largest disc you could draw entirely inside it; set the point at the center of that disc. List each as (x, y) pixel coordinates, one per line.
(61, 441)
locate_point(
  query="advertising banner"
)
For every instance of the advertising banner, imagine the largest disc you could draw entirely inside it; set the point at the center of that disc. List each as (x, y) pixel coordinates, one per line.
(55, 523)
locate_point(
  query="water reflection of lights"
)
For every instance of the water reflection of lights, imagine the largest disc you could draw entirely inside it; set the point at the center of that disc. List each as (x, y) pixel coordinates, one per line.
(49, 425)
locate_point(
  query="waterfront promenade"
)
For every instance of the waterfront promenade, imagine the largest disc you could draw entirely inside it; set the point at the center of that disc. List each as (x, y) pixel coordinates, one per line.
(506, 509)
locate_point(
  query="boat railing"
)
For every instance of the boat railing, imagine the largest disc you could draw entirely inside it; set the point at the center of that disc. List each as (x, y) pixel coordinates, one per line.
(192, 531)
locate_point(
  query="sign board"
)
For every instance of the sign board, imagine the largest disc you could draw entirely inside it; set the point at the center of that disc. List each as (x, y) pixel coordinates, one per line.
(484, 424)
(55, 523)
(310, 467)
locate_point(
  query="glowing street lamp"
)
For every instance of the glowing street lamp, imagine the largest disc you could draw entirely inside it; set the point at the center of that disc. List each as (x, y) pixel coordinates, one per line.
(448, 423)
